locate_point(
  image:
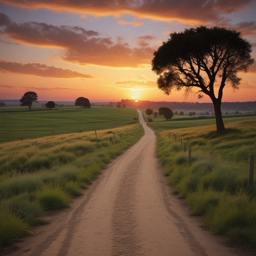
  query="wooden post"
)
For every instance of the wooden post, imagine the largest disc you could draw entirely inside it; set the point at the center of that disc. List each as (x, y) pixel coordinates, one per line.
(189, 154)
(21, 138)
(181, 141)
(251, 170)
(96, 134)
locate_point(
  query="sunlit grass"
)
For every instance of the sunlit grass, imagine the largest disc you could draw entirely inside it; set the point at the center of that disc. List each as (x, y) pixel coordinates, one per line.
(215, 184)
(45, 173)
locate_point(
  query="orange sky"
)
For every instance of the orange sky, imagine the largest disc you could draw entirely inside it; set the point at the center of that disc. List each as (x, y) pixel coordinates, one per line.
(102, 50)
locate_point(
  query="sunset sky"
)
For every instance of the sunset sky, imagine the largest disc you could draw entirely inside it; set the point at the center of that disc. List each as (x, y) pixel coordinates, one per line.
(102, 49)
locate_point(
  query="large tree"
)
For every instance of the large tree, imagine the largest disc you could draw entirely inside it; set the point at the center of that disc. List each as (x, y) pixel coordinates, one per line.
(202, 58)
(28, 98)
(82, 102)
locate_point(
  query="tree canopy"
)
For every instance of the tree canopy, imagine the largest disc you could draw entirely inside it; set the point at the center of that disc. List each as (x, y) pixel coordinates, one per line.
(28, 98)
(166, 112)
(50, 104)
(82, 102)
(202, 58)
(149, 111)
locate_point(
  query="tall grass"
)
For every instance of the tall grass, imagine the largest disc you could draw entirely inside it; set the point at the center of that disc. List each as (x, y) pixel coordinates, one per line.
(215, 184)
(43, 174)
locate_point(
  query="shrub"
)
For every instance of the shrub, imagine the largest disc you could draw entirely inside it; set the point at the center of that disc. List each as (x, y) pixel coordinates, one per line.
(53, 197)
(11, 227)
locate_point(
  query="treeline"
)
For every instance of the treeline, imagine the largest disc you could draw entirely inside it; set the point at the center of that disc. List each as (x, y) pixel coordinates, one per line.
(240, 106)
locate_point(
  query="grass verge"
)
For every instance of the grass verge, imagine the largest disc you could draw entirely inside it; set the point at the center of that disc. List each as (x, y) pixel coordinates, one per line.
(215, 184)
(43, 174)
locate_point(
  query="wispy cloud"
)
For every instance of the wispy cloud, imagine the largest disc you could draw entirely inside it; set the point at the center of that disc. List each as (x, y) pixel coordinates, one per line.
(80, 46)
(133, 23)
(141, 83)
(37, 69)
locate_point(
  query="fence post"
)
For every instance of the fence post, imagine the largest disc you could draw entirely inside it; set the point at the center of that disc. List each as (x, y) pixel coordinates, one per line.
(96, 134)
(251, 169)
(189, 154)
(175, 137)
(181, 141)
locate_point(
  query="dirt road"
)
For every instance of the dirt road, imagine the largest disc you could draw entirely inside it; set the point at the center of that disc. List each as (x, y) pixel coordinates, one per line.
(128, 210)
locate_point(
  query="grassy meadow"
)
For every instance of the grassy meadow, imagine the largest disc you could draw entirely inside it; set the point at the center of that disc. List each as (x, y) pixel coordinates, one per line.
(19, 122)
(185, 121)
(215, 184)
(43, 174)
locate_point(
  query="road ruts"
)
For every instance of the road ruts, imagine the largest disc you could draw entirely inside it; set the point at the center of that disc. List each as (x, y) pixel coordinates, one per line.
(128, 210)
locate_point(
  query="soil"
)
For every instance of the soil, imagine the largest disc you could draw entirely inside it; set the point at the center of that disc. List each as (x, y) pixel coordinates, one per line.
(128, 210)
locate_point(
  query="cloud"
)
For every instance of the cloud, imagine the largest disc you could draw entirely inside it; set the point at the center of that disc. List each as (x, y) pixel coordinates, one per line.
(80, 46)
(6, 86)
(246, 28)
(133, 23)
(143, 41)
(247, 85)
(198, 11)
(141, 83)
(37, 69)
(252, 69)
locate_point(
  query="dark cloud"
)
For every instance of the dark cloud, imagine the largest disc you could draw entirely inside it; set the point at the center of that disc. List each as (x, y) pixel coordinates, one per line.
(185, 10)
(143, 41)
(37, 69)
(246, 28)
(85, 47)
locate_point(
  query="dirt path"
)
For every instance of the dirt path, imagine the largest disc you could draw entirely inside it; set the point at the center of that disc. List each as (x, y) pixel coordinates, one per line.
(128, 210)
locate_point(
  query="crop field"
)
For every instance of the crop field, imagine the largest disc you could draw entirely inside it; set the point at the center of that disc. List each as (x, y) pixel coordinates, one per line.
(45, 173)
(160, 124)
(215, 184)
(18, 123)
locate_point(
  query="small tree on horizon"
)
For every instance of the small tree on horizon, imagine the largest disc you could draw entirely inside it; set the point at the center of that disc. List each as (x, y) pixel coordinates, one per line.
(149, 111)
(82, 102)
(28, 98)
(166, 112)
(201, 58)
(50, 105)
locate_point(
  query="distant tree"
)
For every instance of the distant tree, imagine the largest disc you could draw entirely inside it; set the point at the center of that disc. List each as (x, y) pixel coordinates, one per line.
(82, 102)
(181, 113)
(149, 111)
(50, 104)
(237, 112)
(155, 114)
(176, 112)
(161, 111)
(192, 113)
(166, 112)
(2, 104)
(118, 105)
(123, 106)
(207, 113)
(200, 58)
(28, 98)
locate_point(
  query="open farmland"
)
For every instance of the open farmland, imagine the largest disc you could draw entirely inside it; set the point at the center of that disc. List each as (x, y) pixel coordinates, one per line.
(178, 121)
(215, 184)
(43, 174)
(16, 124)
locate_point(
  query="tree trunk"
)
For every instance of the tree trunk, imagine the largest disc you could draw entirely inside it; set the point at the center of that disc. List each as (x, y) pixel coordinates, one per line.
(218, 116)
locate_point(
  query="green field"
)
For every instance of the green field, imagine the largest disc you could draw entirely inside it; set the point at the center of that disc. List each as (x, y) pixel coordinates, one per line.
(18, 122)
(43, 174)
(215, 185)
(177, 122)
